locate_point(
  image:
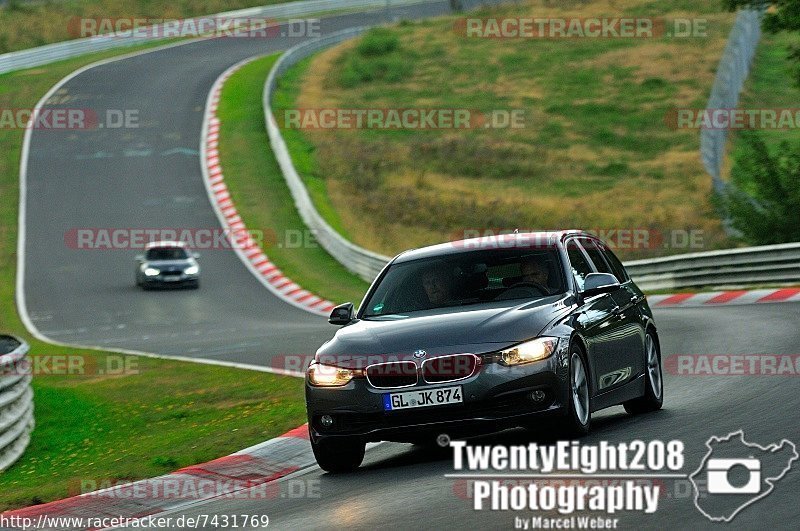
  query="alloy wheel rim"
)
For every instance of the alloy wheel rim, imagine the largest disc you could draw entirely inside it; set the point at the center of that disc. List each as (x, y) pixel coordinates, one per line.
(580, 389)
(653, 366)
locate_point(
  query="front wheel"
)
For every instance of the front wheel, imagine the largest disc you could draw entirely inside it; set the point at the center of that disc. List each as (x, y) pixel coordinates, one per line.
(653, 397)
(338, 455)
(579, 416)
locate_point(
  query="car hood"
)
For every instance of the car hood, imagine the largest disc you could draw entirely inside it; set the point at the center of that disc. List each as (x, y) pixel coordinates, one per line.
(468, 329)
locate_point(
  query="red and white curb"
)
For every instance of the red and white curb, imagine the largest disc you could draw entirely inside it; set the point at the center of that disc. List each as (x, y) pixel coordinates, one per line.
(244, 475)
(718, 298)
(248, 249)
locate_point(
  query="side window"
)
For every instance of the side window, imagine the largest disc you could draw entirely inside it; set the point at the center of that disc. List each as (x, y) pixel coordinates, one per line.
(616, 265)
(578, 263)
(596, 256)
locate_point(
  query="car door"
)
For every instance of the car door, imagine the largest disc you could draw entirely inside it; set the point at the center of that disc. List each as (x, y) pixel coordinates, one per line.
(597, 321)
(628, 347)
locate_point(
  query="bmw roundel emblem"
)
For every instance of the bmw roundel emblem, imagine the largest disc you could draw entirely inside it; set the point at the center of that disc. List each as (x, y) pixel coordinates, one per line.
(419, 354)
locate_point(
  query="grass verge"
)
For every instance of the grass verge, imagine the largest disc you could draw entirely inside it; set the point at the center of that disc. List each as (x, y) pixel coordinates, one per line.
(261, 195)
(159, 416)
(595, 152)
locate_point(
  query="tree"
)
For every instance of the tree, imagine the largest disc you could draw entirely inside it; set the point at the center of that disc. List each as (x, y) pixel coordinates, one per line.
(784, 15)
(763, 201)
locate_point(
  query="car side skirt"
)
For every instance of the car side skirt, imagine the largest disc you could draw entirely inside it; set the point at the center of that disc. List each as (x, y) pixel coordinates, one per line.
(633, 389)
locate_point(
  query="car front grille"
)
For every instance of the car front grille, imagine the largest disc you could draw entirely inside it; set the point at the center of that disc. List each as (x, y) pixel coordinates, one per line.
(173, 273)
(392, 375)
(449, 368)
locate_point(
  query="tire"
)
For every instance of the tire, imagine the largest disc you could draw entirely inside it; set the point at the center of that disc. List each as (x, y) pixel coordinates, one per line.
(653, 397)
(579, 416)
(338, 455)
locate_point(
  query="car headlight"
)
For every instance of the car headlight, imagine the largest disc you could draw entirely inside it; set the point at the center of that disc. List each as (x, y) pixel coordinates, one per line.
(151, 272)
(329, 376)
(192, 270)
(533, 350)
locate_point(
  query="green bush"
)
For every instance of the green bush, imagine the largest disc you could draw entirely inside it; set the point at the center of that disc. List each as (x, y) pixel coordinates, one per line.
(378, 41)
(377, 57)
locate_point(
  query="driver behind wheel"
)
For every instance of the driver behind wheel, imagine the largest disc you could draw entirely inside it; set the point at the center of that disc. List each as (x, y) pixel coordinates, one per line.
(535, 272)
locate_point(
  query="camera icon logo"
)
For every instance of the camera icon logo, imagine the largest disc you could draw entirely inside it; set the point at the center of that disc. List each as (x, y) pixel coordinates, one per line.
(718, 481)
(735, 474)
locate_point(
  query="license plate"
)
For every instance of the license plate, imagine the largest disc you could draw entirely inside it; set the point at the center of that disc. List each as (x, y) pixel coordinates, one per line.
(422, 398)
(171, 278)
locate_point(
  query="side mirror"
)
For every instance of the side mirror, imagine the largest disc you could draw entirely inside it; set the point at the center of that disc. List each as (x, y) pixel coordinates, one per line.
(342, 314)
(596, 283)
(139, 257)
(195, 255)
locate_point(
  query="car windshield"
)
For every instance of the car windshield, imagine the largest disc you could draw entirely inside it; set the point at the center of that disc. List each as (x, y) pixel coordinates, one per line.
(473, 277)
(166, 253)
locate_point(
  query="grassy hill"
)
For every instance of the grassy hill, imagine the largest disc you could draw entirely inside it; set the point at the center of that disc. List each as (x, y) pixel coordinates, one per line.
(595, 151)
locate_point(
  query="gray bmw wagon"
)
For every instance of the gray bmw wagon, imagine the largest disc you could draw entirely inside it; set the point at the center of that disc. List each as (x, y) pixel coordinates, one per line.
(482, 335)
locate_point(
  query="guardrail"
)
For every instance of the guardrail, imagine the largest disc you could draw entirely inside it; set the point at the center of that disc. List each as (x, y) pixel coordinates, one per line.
(50, 53)
(732, 72)
(360, 261)
(16, 401)
(749, 266)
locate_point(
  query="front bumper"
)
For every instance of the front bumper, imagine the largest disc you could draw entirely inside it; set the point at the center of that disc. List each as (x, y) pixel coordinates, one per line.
(495, 398)
(170, 280)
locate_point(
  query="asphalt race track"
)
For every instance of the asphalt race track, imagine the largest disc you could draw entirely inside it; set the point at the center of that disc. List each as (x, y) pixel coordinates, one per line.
(150, 177)
(403, 487)
(135, 178)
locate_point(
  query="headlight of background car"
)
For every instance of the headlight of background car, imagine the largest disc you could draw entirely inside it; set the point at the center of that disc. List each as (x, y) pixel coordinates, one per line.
(533, 350)
(192, 270)
(151, 272)
(329, 376)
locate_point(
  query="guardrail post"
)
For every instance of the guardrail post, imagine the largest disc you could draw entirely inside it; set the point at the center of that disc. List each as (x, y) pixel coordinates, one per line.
(16, 400)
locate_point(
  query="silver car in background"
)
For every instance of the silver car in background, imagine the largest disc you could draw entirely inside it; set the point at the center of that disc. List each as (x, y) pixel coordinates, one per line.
(167, 264)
